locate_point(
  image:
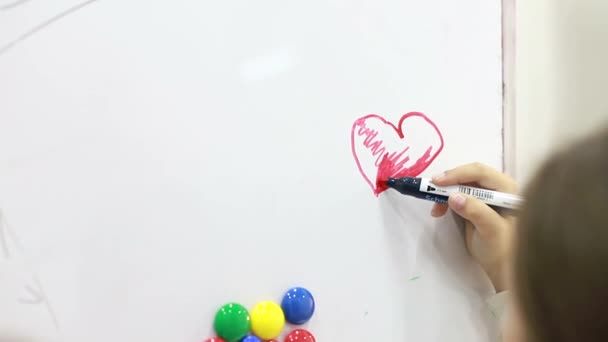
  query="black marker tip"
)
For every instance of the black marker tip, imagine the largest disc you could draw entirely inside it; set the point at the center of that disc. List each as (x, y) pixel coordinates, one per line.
(391, 182)
(405, 185)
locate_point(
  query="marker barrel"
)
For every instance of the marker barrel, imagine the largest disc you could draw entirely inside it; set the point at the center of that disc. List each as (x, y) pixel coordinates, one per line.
(489, 197)
(425, 189)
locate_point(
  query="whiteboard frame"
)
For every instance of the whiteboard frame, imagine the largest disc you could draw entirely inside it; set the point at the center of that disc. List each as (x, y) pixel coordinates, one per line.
(508, 87)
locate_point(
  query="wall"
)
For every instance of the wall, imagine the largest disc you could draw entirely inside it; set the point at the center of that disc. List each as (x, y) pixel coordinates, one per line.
(561, 72)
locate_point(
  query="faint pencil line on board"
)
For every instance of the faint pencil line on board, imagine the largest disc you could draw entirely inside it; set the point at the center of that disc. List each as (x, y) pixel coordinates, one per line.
(3, 239)
(35, 296)
(12, 5)
(45, 24)
(41, 294)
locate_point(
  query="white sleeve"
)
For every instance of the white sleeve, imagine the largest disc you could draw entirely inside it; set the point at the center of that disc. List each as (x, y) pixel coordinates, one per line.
(498, 306)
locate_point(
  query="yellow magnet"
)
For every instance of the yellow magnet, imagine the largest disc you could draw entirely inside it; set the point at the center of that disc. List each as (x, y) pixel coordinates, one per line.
(267, 320)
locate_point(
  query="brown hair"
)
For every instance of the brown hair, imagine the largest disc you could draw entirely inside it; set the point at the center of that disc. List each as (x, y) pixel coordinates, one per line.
(561, 255)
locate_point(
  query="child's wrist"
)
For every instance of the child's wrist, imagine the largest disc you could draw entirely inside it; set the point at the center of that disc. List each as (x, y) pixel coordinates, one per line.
(499, 280)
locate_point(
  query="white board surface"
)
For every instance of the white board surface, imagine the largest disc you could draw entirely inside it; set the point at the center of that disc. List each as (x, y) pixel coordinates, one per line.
(161, 158)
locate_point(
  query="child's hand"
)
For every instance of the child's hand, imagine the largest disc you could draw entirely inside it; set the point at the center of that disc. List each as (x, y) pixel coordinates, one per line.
(488, 234)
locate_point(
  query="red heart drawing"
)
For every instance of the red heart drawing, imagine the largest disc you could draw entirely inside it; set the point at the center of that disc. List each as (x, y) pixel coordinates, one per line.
(387, 150)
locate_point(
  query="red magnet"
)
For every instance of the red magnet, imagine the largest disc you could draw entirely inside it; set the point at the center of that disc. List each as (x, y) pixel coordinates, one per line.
(300, 335)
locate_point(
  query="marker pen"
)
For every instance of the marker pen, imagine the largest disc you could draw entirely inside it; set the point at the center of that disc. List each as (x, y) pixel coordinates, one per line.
(423, 188)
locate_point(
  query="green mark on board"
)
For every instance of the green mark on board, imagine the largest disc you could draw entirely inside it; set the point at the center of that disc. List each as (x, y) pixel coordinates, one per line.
(414, 278)
(493, 314)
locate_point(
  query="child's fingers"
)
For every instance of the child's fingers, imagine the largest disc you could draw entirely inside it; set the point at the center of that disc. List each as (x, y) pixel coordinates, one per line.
(439, 209)
(485, 219)
(479, 173)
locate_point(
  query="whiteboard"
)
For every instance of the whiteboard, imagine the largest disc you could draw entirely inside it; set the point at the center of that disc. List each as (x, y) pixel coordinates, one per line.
(161, 158)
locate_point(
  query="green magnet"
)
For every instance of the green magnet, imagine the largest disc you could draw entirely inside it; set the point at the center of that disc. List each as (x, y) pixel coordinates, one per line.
(232, 322)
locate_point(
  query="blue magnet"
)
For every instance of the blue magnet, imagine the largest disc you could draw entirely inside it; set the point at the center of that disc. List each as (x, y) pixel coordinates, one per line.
(251, 338)
(298, 305)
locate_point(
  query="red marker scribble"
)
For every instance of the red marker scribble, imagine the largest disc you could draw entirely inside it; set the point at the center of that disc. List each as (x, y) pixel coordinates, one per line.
(390, 163)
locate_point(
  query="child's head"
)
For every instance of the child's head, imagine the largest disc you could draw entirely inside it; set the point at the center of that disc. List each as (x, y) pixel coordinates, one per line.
(560, 271)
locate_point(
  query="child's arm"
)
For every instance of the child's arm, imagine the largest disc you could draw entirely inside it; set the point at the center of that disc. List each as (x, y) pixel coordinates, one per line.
(488, 234)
